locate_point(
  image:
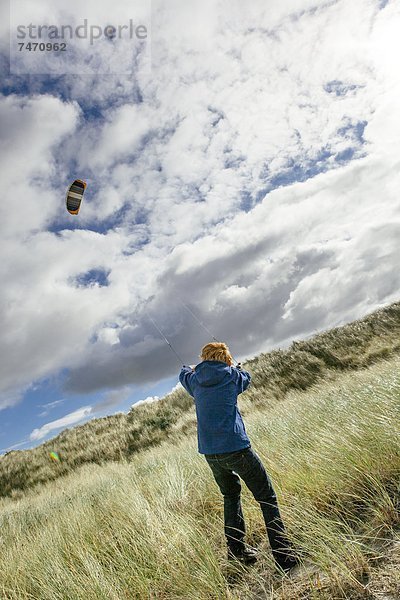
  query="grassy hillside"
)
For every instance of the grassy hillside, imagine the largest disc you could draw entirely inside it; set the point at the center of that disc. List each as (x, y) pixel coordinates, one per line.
(274, 375)
(152, 527)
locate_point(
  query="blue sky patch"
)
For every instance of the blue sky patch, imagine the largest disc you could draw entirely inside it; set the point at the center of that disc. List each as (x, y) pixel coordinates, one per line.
(93, 277)
(354, 131)
(47, 401)
(339, 88)
(297, 171)
(382, 4)
(246, 201)
(301, 169)
(103, 226)
(345, 155)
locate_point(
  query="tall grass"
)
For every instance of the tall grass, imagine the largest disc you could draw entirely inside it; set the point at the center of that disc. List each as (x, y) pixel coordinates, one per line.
(153, 527)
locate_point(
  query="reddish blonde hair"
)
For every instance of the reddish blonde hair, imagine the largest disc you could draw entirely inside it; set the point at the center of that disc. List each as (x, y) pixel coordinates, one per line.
(216, 351)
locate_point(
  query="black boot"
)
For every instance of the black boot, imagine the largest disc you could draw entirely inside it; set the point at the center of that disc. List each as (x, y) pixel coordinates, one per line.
(287, 563)
(245, 555)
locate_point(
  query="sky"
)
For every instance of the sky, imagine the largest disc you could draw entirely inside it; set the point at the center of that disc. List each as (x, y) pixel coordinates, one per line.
(242, 168)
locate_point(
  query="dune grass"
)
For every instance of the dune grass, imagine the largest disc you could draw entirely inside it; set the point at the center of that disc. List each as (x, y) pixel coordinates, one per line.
(151, 527)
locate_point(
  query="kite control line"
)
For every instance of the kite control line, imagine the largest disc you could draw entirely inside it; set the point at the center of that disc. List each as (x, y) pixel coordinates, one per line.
(205, 328)
(169, 343)
(200, 322)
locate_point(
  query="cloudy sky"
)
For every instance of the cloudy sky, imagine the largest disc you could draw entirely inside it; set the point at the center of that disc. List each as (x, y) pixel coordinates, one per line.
(243, 172)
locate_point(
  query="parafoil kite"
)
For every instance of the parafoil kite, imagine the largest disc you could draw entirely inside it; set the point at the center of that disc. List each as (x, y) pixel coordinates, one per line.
(74, 196)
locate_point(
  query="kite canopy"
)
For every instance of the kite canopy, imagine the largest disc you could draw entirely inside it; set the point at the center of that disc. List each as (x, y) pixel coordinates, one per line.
(74, 196)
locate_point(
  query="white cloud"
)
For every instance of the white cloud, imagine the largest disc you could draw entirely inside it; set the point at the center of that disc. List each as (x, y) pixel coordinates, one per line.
(119, 137)
(70, 419)
(49, 406)
(31, 130)
(176, 387)
(47, 319)
(148, 400)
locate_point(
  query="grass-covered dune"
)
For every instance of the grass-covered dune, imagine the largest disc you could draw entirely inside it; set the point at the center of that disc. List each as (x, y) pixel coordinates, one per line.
(274, 375)
(151, 527)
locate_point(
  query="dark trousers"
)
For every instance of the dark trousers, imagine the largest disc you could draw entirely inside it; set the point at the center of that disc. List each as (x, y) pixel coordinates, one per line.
(227, 468)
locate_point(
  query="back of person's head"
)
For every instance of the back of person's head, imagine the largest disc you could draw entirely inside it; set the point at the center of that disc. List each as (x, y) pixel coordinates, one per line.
(216, 351)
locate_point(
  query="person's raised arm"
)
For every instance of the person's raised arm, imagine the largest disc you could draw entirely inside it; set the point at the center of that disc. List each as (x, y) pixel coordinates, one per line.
(243, 378)
(185, 377)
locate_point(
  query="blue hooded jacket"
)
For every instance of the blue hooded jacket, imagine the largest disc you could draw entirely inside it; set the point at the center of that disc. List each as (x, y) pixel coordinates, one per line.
(215, 386)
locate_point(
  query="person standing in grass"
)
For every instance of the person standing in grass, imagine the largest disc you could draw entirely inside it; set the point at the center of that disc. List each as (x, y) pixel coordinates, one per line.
(215, 384)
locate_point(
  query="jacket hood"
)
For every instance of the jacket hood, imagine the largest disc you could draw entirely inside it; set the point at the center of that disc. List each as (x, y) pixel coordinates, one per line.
(211, 372)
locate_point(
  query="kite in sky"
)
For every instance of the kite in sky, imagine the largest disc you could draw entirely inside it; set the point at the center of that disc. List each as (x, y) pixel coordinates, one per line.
(74, 196)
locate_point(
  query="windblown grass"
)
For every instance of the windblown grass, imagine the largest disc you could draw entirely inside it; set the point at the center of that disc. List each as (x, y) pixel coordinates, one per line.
(152, 527)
